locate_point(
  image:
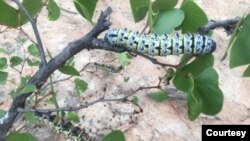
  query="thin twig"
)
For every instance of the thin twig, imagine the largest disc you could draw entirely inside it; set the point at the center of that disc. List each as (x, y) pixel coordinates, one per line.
(122, 99)
(34, 26)
(145, 27)
(212, 24)
(27, 35)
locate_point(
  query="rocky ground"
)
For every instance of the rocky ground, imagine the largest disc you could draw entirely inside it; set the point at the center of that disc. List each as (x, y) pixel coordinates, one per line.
(159, 121)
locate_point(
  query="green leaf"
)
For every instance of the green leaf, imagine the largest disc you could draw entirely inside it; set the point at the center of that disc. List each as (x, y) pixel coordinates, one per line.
(13, 93)
(80, 85)
(2, 113)
(86, 8)
(139, 9)
(24, 81)
(8, 15)
(16, 136)
(124, 59)
(115, 135)
(240, 51)
(126, 79)
(247, 72)
(163, 4)
(207, 87)
(30, 117)
(73, 117)
(70, 62)
(168, 20)
(3, 77)
(69, 70)
(204, 94)
(33, 62)
(181, 79)
(33, 7)
(135, 100)
(28, 89)
(33, 50)
(4, 51)
(54, 10)
(159, 96)
(3, 63)
(194, 17)
(15, 60)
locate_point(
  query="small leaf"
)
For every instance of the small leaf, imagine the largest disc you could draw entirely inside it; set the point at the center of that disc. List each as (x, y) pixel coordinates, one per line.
(124, 59)
(247, 72)
(115, 135)
(30, 117)
(15, 60)
(4, 51)
(54, 10)
(13, 93)
(2, 113)
(33, 62)
(139, 9)
(135, 100)
(80, 85)
(73, 117)
(16, 136)
(69, 70)
(240, 51)
(28, 89)
(86, 8)
(3, 77)
(159, 96)
(3, 63)
(163, 4)
(168, 20)
(24, 81)
(33, 50)
(195, 17)
(126, 79)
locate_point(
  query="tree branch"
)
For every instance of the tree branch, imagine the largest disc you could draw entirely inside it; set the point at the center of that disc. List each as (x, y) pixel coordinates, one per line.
(89, 41)
(212, 24)
(34, 26)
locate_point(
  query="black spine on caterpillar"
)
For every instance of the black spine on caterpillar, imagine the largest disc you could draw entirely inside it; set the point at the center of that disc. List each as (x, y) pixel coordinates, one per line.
(161, 45)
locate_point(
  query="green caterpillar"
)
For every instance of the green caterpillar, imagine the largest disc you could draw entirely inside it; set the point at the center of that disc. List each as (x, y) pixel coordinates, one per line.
(108, 68)
(161, 45)
(66, 128)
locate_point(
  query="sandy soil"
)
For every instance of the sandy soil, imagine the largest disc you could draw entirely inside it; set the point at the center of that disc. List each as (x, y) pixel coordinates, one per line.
(158, 122)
